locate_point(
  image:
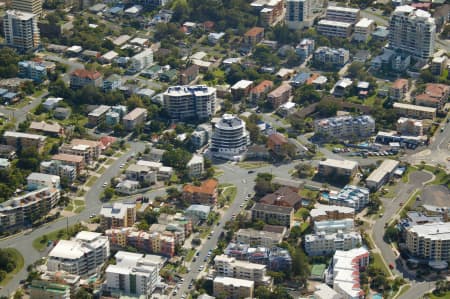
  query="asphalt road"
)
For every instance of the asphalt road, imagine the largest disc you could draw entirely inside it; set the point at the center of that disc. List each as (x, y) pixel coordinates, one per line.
(23, 243)
(19, 115)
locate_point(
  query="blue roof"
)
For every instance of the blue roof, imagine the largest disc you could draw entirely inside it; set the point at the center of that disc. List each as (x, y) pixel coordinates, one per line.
(301, 77)
(3, 91)
(10, 95)
(116, 9)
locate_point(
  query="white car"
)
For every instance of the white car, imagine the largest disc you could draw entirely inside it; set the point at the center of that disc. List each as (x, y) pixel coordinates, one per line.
(105, 184)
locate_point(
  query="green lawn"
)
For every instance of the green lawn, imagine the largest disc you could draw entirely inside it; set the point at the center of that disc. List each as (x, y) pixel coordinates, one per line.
(252, 165)
(20, 262)
(441, 177)
(79, 209)
(109, 162)
(91, 181)
(218, 172)
(228, 194)
(190, 255)
(409, 170)
(40, 244)
(378, 262)
(101, 170)
(445, 296)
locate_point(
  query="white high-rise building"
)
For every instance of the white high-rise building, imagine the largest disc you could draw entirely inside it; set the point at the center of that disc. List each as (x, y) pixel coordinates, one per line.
(230, 137)
(299, 14)
(21, 30)
(133, 274)
(189, 102)
(30, 6)
(412, 31)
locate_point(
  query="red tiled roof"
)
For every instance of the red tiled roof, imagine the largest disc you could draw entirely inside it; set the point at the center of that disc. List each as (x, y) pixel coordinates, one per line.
(400, 83)
(93, 75)
(263, 86)
(207, 187)
(254, 31)
(277, 138)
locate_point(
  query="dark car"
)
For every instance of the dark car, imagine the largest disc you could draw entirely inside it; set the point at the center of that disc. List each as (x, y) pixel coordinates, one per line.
(251, 171)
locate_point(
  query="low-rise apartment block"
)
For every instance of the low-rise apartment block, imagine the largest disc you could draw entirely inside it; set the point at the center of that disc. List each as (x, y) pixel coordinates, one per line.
(271, 214)
(206, 193)
(260, 90)
(279, 95)
(88, 149)
(305, 48)
(343, 14)
(141, 173)
(274, 258)
(81, 78)
(414, 111)
(118, 215)
(334, 28)
(198, 212)
(429, 241)
(22, 211)
(326, 55)
(36, 180)
(254, 36)
(233, 288)
(398, 89)
(382, 174)
(410, 126)
(345, 127)
(276, 143)
(241, 89)
(435, 95)
(57, 168)
(83, 255)
(351, 196)
(35, 71)
(163, 173)
(135, 118)
(230, 267)
(325, 244)
(344, 168)
(344, 272)
(196, 166)
(258, 237)
(284, 196)
(141, 61)
(155, 242)
(438, 65)
(363, 30)
(133, 274)
(98, 115)
(24, 140)
(334, 226)
(331, 212)
(66, 159)
(64, 278)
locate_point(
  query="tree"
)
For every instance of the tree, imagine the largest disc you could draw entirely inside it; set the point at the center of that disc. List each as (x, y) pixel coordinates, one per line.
(8, 62)
(263, 184)
(108, 193)
(391, 234)
(177, 158)
(327, 108)
(173, 193)
(83, 294)
(304, 170)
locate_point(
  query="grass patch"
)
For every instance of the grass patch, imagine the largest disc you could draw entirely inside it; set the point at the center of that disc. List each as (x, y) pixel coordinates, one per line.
(109, 162)
(441, 177)
(39, 93)
(79, 202)
(309, 194)
(205, 232)
(79, 209)
(91, 181)
(218, 172)
(190, 255)
(445, 296)
(228, 194)
(69, 208)
(101, 170)
(377, 261)
(391, 193)
(331, 146)
(20, 262)
(252, 165)
(409, 170)
(40, 243)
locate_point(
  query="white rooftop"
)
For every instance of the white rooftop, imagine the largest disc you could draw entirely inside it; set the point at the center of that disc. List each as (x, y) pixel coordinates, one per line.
(347, 164)
(321, 210)
(364, 22)
(433, 231)
(335, 23)
(234, 281)
(242, 84)
(343, 9)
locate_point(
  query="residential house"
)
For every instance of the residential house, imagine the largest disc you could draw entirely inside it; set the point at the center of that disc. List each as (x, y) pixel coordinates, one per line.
(254, 36)
(435, 95)
(276, 143)
(52, 129)
(196, 166)
(398, 89)
(188, 75)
